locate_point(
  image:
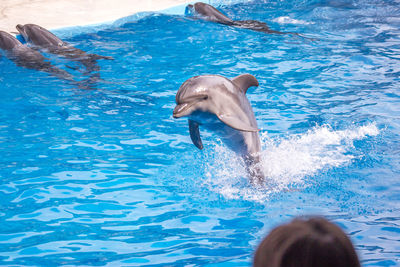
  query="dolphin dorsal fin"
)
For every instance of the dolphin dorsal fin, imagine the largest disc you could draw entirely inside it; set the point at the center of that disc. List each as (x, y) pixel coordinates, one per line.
(244, 81)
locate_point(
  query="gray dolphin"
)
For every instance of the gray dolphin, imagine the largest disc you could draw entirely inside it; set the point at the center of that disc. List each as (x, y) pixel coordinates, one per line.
(212, 14)
(26, 57)
(221, 105)
(44, 39)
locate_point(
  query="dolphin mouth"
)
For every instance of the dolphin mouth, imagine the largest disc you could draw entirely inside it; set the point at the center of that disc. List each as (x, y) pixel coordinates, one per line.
(21, 31)
(180, 109)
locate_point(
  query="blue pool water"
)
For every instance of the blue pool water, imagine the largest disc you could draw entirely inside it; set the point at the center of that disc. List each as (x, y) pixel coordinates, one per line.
(106, 176)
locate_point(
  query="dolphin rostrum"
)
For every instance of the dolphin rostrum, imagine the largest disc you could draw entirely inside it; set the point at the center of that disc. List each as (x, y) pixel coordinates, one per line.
(212, 14)
(46, 40)
(220, 105)
(26, 57)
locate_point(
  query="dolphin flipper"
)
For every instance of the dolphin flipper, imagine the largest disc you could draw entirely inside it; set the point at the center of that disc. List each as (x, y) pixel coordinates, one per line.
(236, 123)
(245, 81)
(195, 134)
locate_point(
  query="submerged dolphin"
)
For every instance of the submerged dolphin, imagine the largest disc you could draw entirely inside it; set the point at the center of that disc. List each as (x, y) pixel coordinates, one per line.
(221, 105)
(44, 39)
(212, 14)
(26, 57)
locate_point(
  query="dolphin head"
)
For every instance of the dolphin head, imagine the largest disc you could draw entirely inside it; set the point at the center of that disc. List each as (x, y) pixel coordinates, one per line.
(215, 94)
(38, 35)
(189, 10)
(23, 32)
(191, 96)
(7, 41)
(197, 8)
(210, 13)
(202, 9)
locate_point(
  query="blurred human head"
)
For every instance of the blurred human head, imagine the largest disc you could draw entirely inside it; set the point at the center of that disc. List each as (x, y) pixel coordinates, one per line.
(306, 242)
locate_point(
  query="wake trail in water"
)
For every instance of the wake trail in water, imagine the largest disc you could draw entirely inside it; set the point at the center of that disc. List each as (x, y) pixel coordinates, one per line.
(287, 162)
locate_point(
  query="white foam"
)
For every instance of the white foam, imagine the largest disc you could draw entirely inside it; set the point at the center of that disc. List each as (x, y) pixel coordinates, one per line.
(288, 20)
(286, 161)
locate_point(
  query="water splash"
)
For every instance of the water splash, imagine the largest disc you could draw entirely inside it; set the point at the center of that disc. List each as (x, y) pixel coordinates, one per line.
(288, 20)
(286, 161)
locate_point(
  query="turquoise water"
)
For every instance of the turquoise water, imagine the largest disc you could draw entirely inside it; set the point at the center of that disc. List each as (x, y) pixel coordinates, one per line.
(106, 176)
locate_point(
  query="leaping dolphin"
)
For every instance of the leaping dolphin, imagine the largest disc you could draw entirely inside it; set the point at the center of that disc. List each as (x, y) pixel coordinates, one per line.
(221, 105)
(26, 57)
(44, 39)
(212, 14)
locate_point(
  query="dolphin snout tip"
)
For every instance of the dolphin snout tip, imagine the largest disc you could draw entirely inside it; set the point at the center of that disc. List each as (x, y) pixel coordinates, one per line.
(179, 110)
(175, 113)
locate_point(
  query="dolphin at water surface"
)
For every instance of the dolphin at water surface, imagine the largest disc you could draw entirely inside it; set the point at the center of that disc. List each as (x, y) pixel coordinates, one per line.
(46, 40)
(26, 57)
(212, 14)
(220, 105)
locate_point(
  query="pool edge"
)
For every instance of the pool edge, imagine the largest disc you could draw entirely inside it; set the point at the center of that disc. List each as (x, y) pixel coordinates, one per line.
(69, 31)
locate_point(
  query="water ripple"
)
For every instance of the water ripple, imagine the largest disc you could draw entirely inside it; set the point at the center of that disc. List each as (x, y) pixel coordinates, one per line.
(106, 176)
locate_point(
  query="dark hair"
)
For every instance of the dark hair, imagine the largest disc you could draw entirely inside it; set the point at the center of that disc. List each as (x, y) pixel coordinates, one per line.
(306, 242)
